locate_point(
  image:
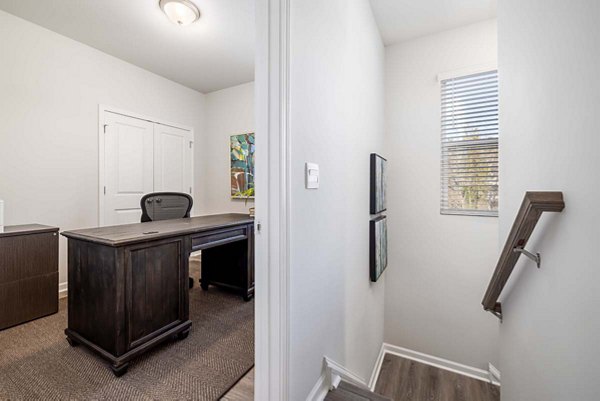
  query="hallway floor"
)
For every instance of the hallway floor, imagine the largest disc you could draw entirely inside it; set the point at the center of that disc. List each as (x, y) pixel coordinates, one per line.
(243, 390)
(404, 379)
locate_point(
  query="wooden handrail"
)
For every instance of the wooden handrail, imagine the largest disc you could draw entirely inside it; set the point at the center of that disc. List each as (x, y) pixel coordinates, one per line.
(534, 204)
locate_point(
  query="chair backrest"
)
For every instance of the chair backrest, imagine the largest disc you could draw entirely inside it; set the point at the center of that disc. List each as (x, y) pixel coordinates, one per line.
(165, 206)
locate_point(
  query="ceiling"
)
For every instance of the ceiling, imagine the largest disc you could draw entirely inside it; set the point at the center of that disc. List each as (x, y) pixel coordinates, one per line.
(399, 20)
(214, 53)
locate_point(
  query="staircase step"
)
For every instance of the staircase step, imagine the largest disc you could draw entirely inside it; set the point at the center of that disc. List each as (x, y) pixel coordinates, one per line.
(349, 392)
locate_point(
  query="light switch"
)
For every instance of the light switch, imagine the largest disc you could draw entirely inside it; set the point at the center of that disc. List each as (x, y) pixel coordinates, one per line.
(312, 176)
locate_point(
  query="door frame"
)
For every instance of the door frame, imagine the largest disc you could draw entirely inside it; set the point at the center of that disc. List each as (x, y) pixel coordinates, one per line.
(272, 246)
(102, 110)
(273, 202)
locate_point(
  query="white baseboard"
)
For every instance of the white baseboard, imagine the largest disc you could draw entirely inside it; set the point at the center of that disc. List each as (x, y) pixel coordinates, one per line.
(62, 290)
(331, 376)
(320, 389)
(475, 373)
(338, 373)
(377, 368)
(494, 373)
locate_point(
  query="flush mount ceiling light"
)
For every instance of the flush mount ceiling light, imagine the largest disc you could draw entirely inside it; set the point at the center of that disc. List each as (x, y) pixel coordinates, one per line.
(181, 12)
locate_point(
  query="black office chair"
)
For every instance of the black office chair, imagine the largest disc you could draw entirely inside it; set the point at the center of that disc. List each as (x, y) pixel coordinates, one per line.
(166, 206)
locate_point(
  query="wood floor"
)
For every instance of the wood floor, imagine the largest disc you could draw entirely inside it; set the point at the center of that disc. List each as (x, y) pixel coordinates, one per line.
(243, 390)
(404, 380)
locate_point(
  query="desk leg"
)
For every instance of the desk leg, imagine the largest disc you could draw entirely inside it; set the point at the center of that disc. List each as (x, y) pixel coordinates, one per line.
(119, 369)
(183, 335)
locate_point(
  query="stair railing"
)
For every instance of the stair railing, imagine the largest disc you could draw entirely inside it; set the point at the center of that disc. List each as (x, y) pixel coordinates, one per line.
(534, 204)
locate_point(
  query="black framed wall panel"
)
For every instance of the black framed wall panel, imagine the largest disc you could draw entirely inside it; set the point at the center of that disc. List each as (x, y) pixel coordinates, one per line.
(378, 184)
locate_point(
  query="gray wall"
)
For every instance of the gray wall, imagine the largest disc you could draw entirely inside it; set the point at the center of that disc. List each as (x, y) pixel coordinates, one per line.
(336, 93)
(549, 54)
(439, 265)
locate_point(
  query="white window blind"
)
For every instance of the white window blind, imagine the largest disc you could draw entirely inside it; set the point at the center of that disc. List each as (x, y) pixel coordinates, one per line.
(470, 145)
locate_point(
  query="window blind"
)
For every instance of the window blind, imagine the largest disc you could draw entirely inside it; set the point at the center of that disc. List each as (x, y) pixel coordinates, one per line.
(469, 170)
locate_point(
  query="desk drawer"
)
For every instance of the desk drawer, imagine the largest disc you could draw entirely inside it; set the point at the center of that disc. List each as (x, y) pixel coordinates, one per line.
(220, 237)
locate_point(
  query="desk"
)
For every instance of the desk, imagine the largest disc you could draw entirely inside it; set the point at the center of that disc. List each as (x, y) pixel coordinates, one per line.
(128, 284)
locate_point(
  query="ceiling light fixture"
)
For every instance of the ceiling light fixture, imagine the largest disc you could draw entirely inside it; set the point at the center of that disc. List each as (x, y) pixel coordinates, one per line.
(181, 12)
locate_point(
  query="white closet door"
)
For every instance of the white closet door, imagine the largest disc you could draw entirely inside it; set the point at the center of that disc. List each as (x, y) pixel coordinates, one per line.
(129, 171)
(172, 159)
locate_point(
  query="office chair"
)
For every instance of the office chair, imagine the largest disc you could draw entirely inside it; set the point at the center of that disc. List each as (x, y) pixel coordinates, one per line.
(166, 206)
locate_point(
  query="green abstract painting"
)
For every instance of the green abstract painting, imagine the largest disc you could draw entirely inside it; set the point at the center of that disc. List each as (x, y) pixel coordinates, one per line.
(242, 166)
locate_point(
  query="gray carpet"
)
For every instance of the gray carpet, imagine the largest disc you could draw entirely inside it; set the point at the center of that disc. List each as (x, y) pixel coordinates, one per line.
(36, 363)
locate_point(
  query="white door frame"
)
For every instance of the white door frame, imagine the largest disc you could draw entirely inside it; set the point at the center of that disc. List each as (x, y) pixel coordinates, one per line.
(272, 331)
(102, 110)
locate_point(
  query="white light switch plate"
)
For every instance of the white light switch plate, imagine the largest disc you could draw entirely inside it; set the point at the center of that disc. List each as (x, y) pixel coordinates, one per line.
(312, 176)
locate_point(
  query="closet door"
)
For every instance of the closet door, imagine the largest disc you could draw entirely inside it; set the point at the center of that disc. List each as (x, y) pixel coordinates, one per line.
(129, 170)
(172, 159)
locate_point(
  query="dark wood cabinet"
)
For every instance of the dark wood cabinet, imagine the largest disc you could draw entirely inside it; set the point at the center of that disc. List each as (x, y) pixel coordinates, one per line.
(28, 273)
(128, 285)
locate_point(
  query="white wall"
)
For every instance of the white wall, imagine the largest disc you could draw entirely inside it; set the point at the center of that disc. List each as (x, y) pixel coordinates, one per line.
(50, 88)
(336, 93)
(549, 102)
(228, 112)
(439, 265)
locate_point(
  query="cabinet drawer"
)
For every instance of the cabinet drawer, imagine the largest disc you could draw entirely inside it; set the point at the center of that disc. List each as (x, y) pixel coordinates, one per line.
(26, 256)
(28, 299)
(220, 237)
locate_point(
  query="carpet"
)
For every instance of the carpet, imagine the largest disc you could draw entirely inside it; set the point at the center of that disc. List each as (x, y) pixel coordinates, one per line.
(36, 362)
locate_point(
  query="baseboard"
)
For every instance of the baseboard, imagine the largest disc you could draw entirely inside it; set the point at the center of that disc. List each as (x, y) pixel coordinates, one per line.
(338, 373)
(494, 373)
(320, 389)
(377, 368)
(331, 376)
(62, 290)
(475, 373)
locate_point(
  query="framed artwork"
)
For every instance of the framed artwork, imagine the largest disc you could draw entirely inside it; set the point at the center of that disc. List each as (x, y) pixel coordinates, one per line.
(378, 246)
(241, 151)
(378, 184)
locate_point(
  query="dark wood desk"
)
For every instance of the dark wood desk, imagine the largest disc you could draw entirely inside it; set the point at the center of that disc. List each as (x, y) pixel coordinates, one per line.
(28, 273)
(128, 285)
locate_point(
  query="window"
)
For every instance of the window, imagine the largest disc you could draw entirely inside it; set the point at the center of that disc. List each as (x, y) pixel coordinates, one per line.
(470, 145)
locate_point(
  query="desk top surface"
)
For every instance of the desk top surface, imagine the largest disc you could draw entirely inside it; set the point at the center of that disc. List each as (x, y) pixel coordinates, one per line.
(141, 232)
(26, 229)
